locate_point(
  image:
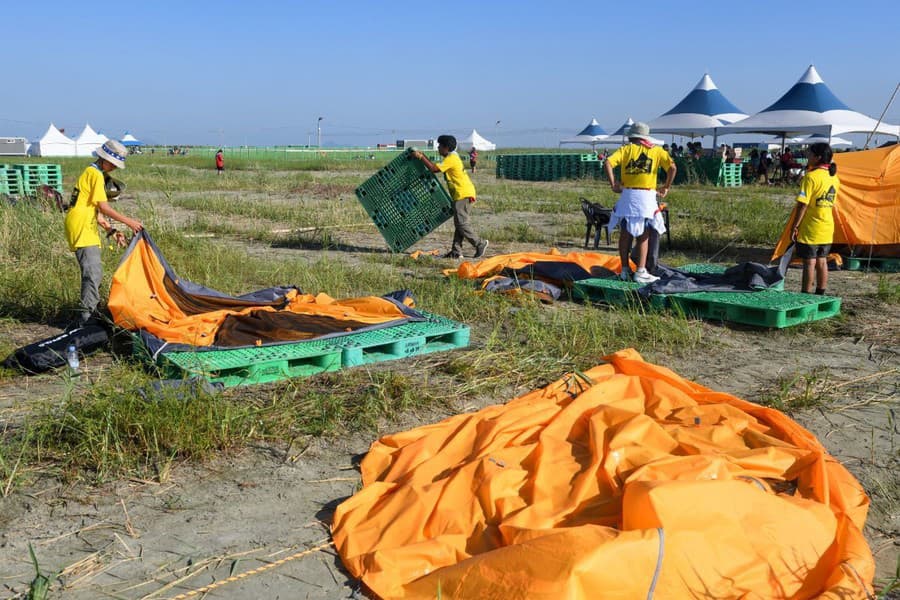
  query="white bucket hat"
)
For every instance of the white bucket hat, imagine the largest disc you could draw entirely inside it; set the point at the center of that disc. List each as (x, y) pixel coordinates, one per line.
(640, 130)
(114, 152)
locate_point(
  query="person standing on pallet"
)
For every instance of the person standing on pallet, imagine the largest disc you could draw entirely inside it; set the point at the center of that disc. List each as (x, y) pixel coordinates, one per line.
(812, 228)
(88, 209)
(462, 192)
(637, 210)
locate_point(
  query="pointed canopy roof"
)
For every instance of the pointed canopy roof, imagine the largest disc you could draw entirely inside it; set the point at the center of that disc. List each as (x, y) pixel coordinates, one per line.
(53, 143)
(592, 134)
(130, 140)
(88, 141)
(617, 137)
(698, 113)
(809, 107)
(477, 141)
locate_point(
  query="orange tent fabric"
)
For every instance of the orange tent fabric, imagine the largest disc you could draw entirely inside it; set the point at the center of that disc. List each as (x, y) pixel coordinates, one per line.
(630, 483)
(867, 210)
(147, 295)
(520, 260)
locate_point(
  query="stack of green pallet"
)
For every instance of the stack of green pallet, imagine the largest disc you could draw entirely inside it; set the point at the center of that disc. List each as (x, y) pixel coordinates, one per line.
(10, 181)
(548, 167)
(405, 201)
(33, 176)
(729, 175)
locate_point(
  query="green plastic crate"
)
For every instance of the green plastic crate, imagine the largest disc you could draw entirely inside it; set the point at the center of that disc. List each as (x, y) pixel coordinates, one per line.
(437, 334)
(766, 308)
(405, 201)
(860, 263)
(608, 291)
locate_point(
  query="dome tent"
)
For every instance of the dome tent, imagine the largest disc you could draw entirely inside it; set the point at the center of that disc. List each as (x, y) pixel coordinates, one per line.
(698, 113)
(474, 139)
(53, 143)
(88, 141)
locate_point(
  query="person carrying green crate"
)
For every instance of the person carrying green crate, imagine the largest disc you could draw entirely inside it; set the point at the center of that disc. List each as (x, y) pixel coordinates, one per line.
(637, 211)
(89, 208)
(462, 192)
(812, 228)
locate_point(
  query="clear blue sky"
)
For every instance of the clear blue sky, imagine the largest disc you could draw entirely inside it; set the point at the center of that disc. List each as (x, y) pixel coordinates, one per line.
(262, 72)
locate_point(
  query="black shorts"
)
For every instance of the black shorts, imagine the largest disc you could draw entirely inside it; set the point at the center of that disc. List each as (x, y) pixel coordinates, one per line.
(810, 251)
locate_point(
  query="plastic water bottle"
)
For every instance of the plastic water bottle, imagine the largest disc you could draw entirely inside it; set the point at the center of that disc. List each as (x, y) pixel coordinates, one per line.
(72, 358)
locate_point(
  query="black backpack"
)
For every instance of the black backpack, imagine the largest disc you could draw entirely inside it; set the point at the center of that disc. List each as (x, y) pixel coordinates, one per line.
(51, 353)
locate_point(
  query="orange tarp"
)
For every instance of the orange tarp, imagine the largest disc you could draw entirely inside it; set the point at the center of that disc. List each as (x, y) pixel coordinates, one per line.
(145, 295)
(520, 260)
(867, 209)
(636, 484)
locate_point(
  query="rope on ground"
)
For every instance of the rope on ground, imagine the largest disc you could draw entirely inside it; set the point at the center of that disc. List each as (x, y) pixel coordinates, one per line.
(257, 571)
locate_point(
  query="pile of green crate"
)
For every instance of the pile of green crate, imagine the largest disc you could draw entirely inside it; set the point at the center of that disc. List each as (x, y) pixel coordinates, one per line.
(405, 201)
(10, 181)
(773, 308)
(729, 175)
(251, 365)
(548, 167)
(27, 179)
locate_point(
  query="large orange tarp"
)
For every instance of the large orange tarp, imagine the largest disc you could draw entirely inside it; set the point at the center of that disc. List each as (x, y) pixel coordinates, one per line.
(867, 209)
(520, 260)
(639, 484)
(147, 295)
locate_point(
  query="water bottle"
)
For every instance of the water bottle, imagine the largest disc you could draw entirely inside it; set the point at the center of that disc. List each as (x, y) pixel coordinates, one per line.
(72, 358)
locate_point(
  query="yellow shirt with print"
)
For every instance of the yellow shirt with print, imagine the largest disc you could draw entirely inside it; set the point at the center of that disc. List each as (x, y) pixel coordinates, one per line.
(457, 181)
(639, 164)
(81, 218)
(818, 191)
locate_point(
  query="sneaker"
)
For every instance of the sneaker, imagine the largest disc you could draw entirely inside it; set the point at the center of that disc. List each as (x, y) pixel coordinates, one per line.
(453, 254)
(480, 248)
(625, 275)
(642, 276)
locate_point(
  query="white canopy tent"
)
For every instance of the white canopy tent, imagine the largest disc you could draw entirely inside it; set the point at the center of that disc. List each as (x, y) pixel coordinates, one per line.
(129, 140)
(809, 107)
(88, 141)
(475, 140)
(592, 134)
(699, 113)
(53, 143)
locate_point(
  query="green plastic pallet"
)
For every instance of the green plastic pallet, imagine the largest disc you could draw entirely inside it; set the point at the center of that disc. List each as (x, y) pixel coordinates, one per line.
(765, 308)
(860, 263)
(715, 269)
(607, 291)
(405, 201)
(434, 335)
(245, 366)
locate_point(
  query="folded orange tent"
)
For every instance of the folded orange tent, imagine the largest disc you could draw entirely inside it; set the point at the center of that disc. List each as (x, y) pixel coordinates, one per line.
(626, 482)
(148, 296)
(867, 209)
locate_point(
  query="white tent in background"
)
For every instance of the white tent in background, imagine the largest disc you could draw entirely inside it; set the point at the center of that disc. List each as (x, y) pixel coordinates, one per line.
(592, 134)
(806, 140)
(88, 141)
(53, 143)
(129, 140)
(475, 140)
(698, 113)
(809, 107)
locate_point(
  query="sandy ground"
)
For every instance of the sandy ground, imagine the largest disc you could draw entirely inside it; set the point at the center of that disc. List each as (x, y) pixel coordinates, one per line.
(266, 511)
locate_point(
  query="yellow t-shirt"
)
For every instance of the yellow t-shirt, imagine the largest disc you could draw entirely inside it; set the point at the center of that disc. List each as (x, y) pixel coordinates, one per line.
(640, 164)
(818, 190)
(81, 218)
(458, 182)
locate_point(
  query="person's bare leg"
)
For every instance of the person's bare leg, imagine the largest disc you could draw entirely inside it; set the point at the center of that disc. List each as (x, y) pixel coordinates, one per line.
(642, 246)
(821, 273)
(625, 239)
(809, 275)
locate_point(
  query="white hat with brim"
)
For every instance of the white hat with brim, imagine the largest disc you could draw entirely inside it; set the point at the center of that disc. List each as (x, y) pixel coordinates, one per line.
(640, 130)
(113, 152)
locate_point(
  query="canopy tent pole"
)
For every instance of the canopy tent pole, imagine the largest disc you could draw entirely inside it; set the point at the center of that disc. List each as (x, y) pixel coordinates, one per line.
(871, 133)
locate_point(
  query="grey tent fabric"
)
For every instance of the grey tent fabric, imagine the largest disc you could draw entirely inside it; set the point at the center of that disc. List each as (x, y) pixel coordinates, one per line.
(747, 276)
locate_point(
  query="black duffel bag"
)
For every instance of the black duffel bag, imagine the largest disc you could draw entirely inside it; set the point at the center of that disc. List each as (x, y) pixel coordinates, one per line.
(51, 353)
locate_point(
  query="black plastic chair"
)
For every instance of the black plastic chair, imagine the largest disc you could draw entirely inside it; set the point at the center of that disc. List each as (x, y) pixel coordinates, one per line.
(596, 217)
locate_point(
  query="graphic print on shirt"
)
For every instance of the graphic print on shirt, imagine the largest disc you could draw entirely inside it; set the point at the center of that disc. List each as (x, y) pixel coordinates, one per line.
(639, 165)
(827, 199)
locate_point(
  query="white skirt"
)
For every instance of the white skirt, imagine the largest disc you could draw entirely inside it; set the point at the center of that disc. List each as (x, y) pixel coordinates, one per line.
(638, 209)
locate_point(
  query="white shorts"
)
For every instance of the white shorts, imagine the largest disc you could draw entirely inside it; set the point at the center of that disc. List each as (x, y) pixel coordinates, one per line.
(638, 209)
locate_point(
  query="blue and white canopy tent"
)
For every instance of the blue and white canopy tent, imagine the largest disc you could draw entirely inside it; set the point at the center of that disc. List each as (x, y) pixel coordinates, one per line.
(592, 134)
(699, 113)
(129, 140)
(619, 137)
(809, 107)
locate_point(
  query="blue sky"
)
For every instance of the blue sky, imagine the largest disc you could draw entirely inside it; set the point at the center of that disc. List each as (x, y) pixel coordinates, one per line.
(261, 73)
